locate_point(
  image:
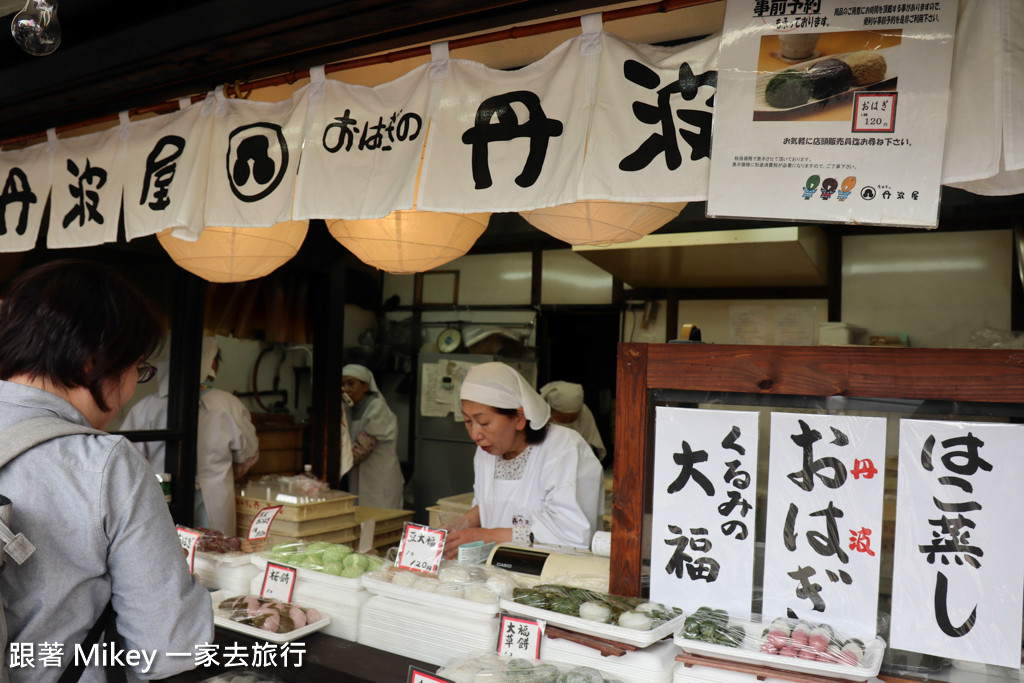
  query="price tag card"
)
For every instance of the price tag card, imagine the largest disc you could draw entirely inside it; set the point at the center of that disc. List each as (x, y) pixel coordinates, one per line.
(278, 582)
(421, 548)
(420, 676)
(260, 526)
(519, 637)
(189, 540)
(874, 112)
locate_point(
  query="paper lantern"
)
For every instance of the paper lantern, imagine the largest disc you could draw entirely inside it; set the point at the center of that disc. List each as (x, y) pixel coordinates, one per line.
(223, 254)
(410, 241)
(598, 221)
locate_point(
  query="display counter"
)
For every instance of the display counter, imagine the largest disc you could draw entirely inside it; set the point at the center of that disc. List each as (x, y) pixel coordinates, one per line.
(326, 658)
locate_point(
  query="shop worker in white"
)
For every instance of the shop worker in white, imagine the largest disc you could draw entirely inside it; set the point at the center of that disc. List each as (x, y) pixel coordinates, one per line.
(568, 410)
(226, 447)
(533, 481)
(376, 476)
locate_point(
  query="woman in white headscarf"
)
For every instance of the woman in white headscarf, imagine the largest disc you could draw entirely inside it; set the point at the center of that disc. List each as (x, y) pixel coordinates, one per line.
(376, 476)
(533, 481)
(568, 409)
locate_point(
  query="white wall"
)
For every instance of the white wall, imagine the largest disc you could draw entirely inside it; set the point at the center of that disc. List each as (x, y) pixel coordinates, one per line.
(937, 288)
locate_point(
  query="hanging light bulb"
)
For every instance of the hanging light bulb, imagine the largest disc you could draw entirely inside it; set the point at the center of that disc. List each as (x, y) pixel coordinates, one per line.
(36, 29)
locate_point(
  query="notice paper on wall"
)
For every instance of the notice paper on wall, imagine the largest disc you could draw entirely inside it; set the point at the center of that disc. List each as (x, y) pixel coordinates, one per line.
(832, 111)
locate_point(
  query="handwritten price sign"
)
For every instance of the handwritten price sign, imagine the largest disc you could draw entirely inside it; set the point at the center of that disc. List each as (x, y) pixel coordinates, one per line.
(278, 582)
(260, 526)
(421, 676)
(189, 539)
(421, 548)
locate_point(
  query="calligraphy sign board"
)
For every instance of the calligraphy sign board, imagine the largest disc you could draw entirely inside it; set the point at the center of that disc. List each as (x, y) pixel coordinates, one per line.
(705, 484)
(957, 575)
(822, 554)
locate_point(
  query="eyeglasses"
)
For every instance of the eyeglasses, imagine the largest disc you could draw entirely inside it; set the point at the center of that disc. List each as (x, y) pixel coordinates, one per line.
(146, 372)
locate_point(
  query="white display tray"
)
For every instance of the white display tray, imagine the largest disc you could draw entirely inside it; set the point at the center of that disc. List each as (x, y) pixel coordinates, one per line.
(619, 634)
(868, 668)
(218, 596)
(232, 559)
(420, 597)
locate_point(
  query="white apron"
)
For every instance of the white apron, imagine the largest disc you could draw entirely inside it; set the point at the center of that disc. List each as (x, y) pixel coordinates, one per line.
(561, 491)
(226, 435)
(377, 480)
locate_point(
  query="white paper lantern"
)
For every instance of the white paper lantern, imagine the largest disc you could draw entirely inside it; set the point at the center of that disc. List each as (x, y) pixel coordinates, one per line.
(410, 241)
(223, 254)
(598, 221)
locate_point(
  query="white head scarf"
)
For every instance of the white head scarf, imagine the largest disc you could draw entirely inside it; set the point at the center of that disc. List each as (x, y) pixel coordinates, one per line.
(565, 397)
(362, 373)
(209, 354)
(500, 386)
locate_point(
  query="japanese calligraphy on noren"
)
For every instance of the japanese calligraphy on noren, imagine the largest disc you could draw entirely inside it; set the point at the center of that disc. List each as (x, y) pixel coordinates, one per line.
(705, 484)
(823, 531)
(955, 567)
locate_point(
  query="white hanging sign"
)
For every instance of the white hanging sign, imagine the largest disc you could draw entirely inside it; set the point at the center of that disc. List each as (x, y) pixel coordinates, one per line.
(88, 176)
(823, 533)
(509, 140)
(167, 158)
(958, 576)
(25, 178)
(363, 147)
(832, 111)
(254, 155)
(705, 502)
(650, 136)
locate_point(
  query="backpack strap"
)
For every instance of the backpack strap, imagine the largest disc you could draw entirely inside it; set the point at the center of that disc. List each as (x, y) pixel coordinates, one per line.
(14, 441)
(27, 434)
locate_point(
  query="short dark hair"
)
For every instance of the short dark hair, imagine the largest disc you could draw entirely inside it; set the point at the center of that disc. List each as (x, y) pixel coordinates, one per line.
(76, 323)
(532, 435)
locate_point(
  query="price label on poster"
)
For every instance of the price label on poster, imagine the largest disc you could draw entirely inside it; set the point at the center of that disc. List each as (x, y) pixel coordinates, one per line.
(519, 637)
(260, 527)
(421, 549)
(421, 676)
(278, 582)
(189, 540)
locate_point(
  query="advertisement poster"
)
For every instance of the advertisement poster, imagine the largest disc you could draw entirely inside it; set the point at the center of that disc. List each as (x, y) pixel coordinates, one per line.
(957, 576)
(823, 537)
(832, 111)
(705, 503)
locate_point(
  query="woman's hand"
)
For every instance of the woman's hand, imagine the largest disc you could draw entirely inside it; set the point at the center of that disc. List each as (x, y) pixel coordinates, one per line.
(456, 538)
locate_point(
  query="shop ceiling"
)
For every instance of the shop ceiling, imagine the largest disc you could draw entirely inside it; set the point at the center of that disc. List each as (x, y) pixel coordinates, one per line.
(116, 56)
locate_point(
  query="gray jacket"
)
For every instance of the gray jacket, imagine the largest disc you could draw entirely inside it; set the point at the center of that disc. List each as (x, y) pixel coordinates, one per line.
(94, 510)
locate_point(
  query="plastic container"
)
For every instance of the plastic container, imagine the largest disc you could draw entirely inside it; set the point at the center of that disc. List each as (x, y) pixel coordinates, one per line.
(296, 506)
(422, 631)
(614, 632)
(653, 664)
(284, 527)
(336, 597)
(224, 571)
(784, 644)
(221, 618)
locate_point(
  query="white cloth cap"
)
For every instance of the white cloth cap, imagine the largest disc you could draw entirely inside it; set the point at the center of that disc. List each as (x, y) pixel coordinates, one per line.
(501, 386)
(362, 373)
(565, 397)
(209, 354)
